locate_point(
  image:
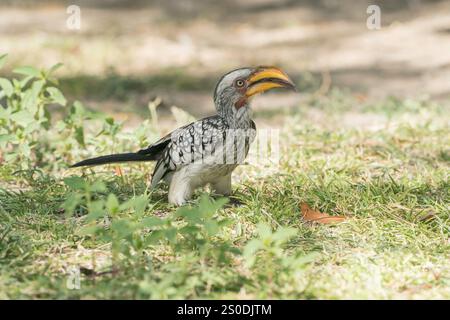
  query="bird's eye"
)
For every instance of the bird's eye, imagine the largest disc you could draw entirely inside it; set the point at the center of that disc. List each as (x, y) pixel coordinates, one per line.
(240, 83)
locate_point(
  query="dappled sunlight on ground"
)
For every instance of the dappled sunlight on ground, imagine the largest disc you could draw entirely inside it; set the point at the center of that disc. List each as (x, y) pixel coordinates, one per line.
(201, 40)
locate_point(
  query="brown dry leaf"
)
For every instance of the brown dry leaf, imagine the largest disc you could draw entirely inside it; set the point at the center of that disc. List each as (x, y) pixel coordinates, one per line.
(311, 215)
(118, 171)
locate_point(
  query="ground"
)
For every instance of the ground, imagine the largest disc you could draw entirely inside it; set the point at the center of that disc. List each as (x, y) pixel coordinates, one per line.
(177, 49)
(366, 137)
(389, 178)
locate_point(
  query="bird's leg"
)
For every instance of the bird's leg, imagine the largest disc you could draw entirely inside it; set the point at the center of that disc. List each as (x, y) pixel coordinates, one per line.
(180, 189)
(222, 185)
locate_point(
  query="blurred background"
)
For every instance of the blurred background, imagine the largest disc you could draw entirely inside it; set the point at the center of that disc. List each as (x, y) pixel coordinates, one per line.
(126, 53)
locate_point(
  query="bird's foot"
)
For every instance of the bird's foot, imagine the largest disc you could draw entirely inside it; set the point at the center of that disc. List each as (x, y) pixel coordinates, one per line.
(234, 202)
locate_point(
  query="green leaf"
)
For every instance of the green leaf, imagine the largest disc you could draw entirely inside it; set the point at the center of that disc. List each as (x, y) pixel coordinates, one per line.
(25, 149)
(57, 96)
(97, 186)
(284, 234)
(7, 87)
(251, 247)
(112, 204)
(48, 118)
(264, 230)
(171, 234)
(191, 215)
(122, 227)
(149, 222)
(154, 237)
(30, 100)
(88, 230)
(22, 118)
(208, 207)
(31, 127)
(10, 157)
(79, 136)
(28, 71)
(54, 68)
(5, 113)
(23, 82)
(140, 203)
(78, 108)
(211, 227)
(5, 138)
(71, 203)
(96, 210)
(250, 250)
(137, 203)
(75, 183)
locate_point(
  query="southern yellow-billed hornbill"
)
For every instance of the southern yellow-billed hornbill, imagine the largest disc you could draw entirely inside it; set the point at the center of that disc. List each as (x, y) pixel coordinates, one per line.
(208, 150)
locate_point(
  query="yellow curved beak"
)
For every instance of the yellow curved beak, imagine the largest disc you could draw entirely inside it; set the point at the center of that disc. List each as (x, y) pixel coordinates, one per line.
(266, 78)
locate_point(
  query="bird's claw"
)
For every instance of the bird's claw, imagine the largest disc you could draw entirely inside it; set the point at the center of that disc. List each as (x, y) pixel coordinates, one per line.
(235, 202)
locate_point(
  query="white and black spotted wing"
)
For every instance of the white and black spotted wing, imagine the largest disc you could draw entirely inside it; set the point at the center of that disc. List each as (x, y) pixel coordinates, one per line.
(187, 144)
(192, 143)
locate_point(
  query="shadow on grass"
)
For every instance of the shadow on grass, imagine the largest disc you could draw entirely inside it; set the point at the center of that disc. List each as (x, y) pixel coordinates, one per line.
(122, 87)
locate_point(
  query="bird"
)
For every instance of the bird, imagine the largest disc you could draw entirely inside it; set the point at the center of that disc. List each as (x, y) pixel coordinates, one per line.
(206, 151)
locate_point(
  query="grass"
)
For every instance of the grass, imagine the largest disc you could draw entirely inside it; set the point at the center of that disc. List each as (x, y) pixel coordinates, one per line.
(385, 166)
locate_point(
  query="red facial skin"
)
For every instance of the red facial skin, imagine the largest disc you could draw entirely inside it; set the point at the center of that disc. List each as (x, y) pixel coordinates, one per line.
(242, 90)
(241, 102)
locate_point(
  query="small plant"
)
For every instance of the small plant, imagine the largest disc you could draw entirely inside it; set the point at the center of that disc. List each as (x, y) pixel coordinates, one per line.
(191, 238)
(106, 219)
(130, 231)
(276, 270)
(25, 114)
(29, 138)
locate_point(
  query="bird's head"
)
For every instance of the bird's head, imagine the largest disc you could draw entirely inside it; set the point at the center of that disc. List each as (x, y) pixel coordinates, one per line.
(234, 89)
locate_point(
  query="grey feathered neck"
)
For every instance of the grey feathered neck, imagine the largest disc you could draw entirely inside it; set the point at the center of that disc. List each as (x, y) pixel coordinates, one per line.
(236, 118)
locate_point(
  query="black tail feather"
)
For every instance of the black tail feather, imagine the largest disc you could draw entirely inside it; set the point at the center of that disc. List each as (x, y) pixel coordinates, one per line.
(114, 158)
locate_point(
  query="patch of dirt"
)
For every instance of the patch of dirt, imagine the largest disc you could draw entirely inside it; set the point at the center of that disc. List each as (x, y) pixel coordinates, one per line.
(406, 57)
